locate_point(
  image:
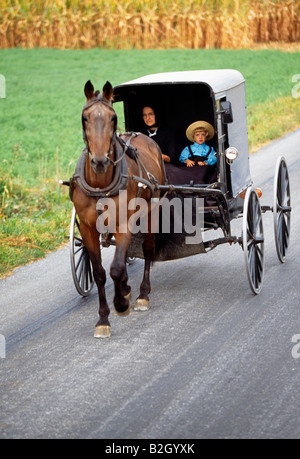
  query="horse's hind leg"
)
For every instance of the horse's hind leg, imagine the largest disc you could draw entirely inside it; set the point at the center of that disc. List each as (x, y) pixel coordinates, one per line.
(142, 302)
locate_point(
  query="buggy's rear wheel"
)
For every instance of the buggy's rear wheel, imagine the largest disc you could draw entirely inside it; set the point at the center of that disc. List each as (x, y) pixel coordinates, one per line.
(80, 261)
(282, 209)
(253, 240)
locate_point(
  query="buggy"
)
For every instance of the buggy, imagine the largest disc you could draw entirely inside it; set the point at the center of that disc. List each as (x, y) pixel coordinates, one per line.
(218, 97)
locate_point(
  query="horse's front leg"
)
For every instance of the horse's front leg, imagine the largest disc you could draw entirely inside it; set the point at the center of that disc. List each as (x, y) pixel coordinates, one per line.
(118, 272)
(142, 302)
(91, 242)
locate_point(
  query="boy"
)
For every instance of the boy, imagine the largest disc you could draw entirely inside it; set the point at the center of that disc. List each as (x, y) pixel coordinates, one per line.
(199, 153)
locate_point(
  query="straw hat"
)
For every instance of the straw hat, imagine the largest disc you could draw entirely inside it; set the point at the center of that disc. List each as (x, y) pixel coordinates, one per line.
(200, 124)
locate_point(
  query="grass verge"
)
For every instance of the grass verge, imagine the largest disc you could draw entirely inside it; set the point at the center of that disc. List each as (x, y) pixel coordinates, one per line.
(41, 132)
(271, 120)
(34, 222)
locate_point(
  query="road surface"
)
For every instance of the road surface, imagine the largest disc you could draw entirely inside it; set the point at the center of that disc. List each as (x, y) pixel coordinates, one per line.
(209, 360)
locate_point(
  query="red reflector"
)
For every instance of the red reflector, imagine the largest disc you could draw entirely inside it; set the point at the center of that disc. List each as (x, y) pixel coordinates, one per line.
(243, 193)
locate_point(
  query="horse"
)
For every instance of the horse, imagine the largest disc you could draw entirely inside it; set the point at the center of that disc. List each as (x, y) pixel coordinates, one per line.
(112, 163)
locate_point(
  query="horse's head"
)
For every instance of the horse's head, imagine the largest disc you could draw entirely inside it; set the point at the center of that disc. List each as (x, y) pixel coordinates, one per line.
(99, 122)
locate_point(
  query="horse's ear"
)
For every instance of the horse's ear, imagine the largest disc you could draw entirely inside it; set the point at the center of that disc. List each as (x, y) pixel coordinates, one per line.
(89, 90)
(107, 91)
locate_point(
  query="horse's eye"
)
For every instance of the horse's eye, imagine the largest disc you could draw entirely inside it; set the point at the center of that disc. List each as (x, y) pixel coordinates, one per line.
(85, 118)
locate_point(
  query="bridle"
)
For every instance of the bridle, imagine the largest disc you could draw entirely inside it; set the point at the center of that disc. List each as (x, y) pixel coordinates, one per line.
(121, 149)
(105, 102)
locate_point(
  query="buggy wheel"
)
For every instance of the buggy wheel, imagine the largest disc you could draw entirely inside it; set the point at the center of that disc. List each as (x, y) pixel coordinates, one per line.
(282, 209)
(80, 261)
(253, 240)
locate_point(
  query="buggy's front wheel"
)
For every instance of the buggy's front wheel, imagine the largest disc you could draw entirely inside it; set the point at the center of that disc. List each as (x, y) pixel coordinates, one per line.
(80, 261)
(253, 240)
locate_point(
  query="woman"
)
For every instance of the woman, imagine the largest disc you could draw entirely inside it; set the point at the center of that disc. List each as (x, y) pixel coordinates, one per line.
(162, 136)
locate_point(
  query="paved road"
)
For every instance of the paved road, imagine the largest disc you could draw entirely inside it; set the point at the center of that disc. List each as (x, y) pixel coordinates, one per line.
(209, 360)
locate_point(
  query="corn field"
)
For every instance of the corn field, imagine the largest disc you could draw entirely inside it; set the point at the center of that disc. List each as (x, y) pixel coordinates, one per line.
(145, 24)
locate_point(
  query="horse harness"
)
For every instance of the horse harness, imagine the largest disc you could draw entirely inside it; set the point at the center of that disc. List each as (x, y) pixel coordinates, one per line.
(121, 177)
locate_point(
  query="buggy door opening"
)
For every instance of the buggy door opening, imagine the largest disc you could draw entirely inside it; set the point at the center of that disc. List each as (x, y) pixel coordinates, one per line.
(184, 97)
(176, 107)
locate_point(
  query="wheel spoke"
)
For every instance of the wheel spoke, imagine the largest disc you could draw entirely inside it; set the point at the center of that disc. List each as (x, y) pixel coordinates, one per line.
(79, 260)
(254, 212)
(285, 229)
(279, 189)
(285, 234)
(87, 271)
(250, 244)
(79, 249)
(258, 223)
(84, 273)
(252, 262)
(80, 268)
(250, 218)
(283, 184)
(258, 260)
(260, 251)
(90, 273)
(77, 223)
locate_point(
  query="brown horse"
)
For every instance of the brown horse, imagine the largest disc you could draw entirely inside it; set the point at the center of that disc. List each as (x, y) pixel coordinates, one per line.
(113, 163)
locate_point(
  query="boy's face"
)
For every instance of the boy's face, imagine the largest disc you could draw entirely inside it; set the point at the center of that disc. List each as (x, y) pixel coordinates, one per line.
(200, 137)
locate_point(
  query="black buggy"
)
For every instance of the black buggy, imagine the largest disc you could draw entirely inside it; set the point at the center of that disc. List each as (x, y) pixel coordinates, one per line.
(218, 97)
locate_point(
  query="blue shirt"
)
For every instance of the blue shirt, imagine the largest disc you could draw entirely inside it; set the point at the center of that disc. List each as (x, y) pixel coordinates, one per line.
(199, 150)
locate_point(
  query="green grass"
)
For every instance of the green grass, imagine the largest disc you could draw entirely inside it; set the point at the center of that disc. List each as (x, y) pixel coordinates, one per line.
(34, 223)
(40, 121)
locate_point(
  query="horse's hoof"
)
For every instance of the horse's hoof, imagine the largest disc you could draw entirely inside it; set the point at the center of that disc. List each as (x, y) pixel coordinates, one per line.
(141, 304)
(102, 331)
(127, 311)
